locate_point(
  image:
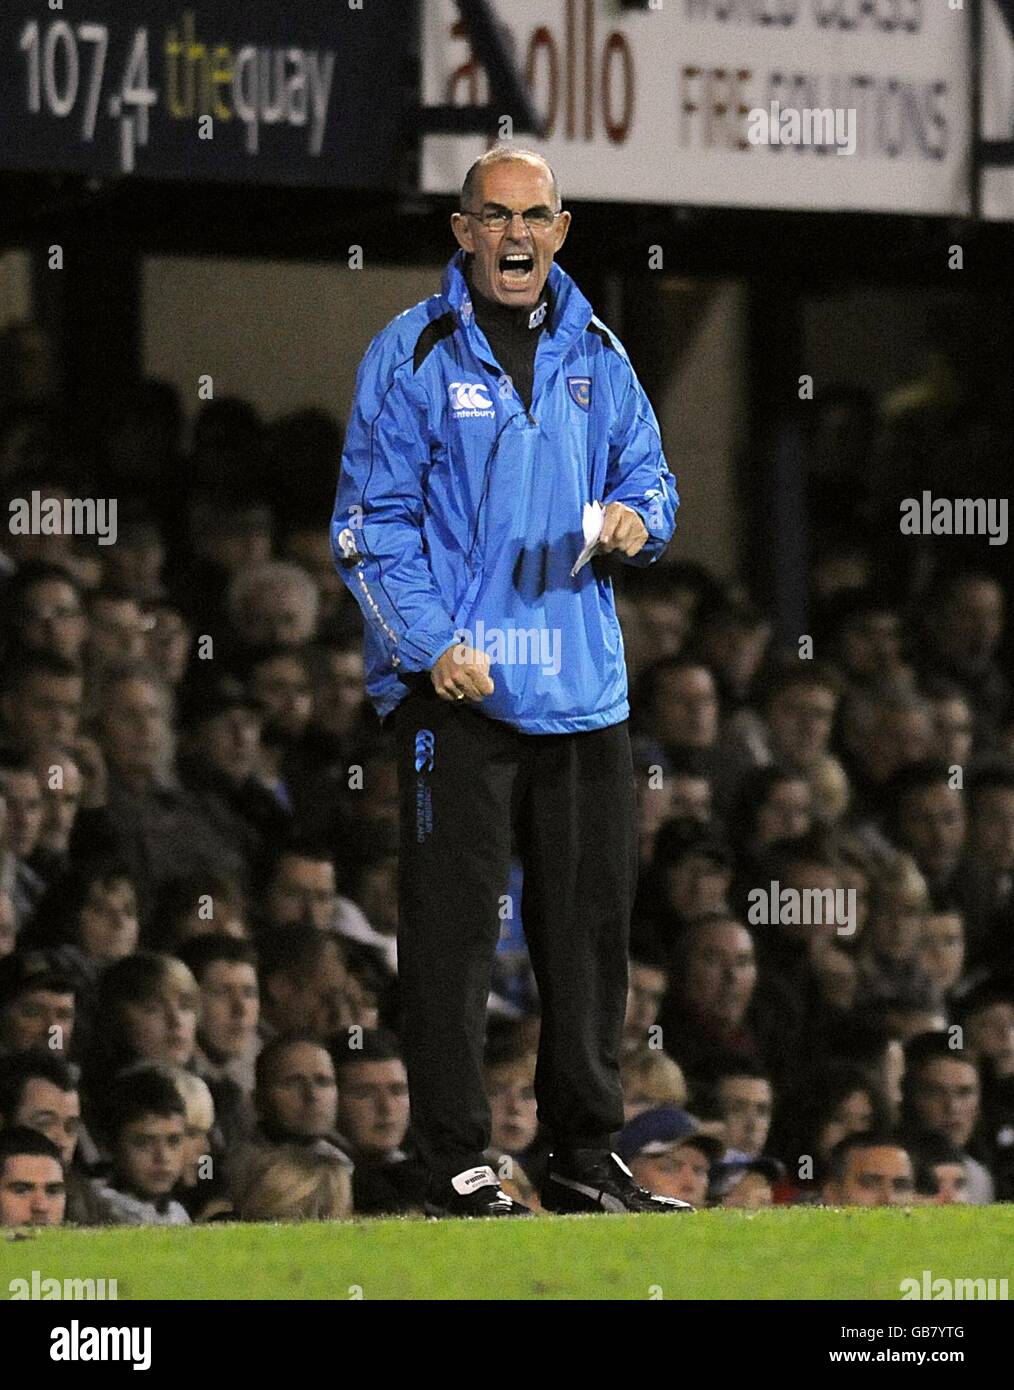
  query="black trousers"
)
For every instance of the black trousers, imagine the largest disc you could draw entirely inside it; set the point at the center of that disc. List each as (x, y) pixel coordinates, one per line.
(465, 783)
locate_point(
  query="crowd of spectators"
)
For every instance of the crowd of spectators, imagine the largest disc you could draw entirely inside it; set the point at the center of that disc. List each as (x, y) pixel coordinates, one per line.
(199, 861)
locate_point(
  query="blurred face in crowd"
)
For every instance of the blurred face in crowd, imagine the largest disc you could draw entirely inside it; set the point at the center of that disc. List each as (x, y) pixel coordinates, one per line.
(303, 890)
(311, 550)
(149, 1154)
(44, 709)
(108, 928)
(646, 986)
(60, 804)
(682, 1172)
(8, 922)
(737, 649)
(945, 1097)
(278, 613)
(895, 738)
(164, 1027)
(665, 624)
(691, 797)
(931, 826)
(905, 1022)
(686, 707)
(697, 885)
(234, 542)
(38, 1018)
(373, 1106)
(806, 876)
(951, 1182)
(135, 730)
(229, 742)
(896, 927)
(952, 729)
(301, 1095)
(282, 687)
(969, 625)
(654, 808)
(871, 645)
(167, 642)
(745, 1103)
(511, 1091)
(32, 1191)
(317, 1002)
(117, 631)
(338, 691)
(24, 811)
(54, 620)
(226, 917)
(837, 977)
(518, 185)
(786, 813)
(989, 1032)
(854, 1114)
(52, 1112)
(800, 719)
(230, 1008)
(721, 974)
(993, 829)
(752, 1192)
(942, 949)
(874, 1177)
(380, 793)
(135, 563)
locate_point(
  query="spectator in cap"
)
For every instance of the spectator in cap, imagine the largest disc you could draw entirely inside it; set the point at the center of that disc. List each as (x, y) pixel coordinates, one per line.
(37, 1003)
(869, 1170)
(32, 1184)
(668, 1153)
(220, 765)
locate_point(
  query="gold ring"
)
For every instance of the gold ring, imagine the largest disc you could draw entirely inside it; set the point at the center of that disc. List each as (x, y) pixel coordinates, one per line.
(460, 695)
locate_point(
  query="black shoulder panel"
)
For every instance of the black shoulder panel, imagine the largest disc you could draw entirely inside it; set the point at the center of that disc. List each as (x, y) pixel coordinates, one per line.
(599, 332)
(427, 340)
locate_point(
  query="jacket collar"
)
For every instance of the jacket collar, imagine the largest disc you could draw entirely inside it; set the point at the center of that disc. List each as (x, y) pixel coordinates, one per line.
(571, 312)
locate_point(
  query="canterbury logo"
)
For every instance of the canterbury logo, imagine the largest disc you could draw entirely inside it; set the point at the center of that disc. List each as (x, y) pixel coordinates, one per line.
(468, 396)
(425, 745)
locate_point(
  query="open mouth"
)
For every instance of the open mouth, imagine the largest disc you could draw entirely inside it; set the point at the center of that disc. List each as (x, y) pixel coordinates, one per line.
(516, 267)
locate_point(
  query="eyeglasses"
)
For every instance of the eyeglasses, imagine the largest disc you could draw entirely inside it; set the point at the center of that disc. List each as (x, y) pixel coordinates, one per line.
(495, 219)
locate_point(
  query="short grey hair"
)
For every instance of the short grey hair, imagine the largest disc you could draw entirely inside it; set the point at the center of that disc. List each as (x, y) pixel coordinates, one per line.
(502, 154)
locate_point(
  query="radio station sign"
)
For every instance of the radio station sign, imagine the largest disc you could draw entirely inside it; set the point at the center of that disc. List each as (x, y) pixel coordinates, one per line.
(294, 93)
(811, 104)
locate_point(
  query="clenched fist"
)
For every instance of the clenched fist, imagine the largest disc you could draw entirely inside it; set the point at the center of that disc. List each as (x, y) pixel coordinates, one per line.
(462, 673)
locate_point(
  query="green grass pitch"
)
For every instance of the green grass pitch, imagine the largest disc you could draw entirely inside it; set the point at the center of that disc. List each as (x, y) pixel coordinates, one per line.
(784, 1253)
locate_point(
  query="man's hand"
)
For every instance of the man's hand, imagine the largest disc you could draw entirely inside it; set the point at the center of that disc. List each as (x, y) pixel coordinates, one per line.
(622, 529)
(462, 673)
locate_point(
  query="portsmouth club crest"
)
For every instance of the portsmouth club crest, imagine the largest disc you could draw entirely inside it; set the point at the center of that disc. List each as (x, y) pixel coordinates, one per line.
(580, 391)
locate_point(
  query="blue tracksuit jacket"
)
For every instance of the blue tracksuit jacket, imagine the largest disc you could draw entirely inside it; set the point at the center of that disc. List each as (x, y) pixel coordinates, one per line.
(458, 513)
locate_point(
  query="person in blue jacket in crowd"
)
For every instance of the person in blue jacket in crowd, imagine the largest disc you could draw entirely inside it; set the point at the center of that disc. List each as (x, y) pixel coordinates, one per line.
(495, 425)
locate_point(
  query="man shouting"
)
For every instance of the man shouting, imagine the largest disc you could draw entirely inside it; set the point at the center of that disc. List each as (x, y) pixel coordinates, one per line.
(494, 426)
